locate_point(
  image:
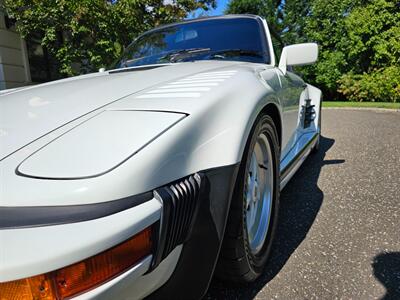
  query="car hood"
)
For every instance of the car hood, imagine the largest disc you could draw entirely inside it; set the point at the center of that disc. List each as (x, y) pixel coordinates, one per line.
(30, 113)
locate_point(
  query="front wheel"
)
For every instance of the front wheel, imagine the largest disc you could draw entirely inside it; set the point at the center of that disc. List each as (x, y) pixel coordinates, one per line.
(254, 209)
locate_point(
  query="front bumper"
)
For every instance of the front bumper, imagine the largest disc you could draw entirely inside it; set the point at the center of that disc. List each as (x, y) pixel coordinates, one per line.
(196, 264)
(192, 214)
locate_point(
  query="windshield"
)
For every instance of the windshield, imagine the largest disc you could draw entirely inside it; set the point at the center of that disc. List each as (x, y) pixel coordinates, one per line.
(240, 39)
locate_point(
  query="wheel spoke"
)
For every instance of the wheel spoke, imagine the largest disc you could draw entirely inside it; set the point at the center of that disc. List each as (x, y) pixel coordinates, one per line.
(258, 193)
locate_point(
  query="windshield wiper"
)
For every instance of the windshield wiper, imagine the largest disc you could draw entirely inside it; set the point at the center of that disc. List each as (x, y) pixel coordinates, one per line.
(235, 52)
(126, 63)
(175, 55)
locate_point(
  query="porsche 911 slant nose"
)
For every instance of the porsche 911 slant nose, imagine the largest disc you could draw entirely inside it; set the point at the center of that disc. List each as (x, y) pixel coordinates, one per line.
(64, 260)
(145, 235)
(46, 107)
(129, 253)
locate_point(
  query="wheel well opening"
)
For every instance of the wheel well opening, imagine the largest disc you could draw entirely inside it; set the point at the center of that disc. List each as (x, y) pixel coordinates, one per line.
(273, 112)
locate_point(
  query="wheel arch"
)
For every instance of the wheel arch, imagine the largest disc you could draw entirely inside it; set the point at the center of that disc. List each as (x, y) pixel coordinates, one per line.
(272, 110)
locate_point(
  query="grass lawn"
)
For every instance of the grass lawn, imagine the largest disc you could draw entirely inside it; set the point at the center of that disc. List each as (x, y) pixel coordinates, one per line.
(361, 104)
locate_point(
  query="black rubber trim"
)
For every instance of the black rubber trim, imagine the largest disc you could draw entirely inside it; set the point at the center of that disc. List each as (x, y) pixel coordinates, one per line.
(137, 68)
(179, 211)
(162, 237)
(34, 216)
(197, 261)
(285, 172)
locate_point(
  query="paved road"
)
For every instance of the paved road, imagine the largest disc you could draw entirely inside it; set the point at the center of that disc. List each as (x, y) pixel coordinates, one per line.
(339, 231)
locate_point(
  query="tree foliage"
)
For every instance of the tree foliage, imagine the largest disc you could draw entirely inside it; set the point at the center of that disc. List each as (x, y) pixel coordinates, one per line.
(84, 35)
(359, 42)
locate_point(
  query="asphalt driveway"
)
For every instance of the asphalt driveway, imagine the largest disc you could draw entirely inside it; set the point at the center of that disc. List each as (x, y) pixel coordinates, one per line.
(339, 230)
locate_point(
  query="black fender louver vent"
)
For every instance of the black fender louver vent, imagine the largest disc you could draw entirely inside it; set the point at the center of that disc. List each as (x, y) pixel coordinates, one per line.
(307, 113)
(180, 202)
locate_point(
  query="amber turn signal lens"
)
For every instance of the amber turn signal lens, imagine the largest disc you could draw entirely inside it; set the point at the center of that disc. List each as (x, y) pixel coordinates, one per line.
(38, 287)
(91, 272)
(82, 276)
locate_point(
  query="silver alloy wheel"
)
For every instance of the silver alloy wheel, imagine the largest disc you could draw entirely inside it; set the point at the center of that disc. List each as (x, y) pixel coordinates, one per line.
(258, 193)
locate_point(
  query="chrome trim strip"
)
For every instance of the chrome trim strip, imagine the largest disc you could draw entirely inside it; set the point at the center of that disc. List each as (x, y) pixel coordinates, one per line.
(290, 166)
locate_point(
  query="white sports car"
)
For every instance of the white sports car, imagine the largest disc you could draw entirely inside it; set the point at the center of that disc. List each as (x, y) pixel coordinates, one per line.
(146, 179)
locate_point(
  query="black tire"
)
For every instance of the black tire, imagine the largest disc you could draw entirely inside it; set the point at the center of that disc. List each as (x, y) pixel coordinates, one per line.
(236, 262)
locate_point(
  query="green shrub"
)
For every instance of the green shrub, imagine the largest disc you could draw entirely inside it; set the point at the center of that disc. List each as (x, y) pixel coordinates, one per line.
(381, 85)
(84, 35)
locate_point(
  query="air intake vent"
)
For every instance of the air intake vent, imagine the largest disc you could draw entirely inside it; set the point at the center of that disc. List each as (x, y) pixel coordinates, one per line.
(307, 113)
(179, 200)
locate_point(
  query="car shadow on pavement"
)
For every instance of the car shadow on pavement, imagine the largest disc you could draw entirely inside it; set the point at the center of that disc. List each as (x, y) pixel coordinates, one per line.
(387, 270)
(299, 205)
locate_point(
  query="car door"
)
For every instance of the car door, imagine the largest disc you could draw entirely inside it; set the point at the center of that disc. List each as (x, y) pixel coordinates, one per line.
(292, 86)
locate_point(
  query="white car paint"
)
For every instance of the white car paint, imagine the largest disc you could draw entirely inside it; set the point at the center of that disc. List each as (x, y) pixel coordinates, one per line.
(46, 107)
(174, 154)
(297, 55)
(135, 283)
(46, 131)
(70, 242)
(125, 133)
